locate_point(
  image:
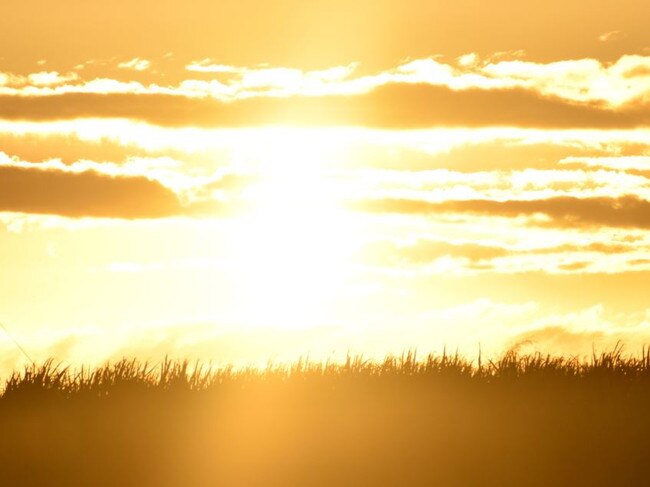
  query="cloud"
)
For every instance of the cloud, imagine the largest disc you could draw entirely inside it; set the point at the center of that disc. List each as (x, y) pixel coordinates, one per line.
(600, 247)
(469, 59)
(560, 338)
(610, 36)
(51, 78)
(135, 64)
(420, 105)
(581, 93)
(429, 256)
(562, 211)
(424, 251)
(641, 71)
(392, 106)
(582, 81)
(84, 194)
(585, 331)
(527, 184)
(623, 163)
(66, 147)
(208, 66)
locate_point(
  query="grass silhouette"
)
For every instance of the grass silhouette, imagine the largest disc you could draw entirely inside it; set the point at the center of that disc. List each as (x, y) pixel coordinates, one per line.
(523, 420)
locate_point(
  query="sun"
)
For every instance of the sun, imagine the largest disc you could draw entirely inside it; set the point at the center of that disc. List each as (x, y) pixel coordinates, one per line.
(291, 251)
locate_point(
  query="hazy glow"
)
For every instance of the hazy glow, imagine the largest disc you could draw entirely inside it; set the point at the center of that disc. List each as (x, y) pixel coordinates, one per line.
(377, 177)
(291, 249)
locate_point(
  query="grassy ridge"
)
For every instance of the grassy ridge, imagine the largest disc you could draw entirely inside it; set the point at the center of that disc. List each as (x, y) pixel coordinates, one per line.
(519, 420)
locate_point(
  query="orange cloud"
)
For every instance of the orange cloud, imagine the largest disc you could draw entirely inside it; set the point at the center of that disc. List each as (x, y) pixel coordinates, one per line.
(397, 106)
(424, 251)
(66, 147)
(563, 211)
(84, 194)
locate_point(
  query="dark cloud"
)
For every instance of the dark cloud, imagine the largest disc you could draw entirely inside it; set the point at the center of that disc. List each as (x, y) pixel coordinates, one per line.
(393, 106)
(84, 194)
(563, 211)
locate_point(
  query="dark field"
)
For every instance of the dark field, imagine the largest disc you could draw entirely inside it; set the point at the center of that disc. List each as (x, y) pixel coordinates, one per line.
(439, 421)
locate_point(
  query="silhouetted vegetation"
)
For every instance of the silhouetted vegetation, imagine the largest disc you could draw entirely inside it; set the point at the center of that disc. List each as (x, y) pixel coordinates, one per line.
(528, 420)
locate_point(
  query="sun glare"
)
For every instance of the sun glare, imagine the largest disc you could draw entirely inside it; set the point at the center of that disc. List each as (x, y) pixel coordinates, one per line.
(291, 250)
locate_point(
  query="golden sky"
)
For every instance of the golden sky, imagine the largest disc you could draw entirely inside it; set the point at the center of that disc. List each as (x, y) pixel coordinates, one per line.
(251, 180)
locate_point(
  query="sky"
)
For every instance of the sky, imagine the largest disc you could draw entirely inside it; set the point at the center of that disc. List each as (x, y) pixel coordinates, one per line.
(251, 181)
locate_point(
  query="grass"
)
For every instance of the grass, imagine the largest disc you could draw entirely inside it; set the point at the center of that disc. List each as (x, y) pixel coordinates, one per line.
(521, 420)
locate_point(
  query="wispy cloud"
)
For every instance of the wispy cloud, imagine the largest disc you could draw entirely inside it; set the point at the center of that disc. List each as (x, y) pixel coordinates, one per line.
(612, 35)
(209, 66)
(135, 64)
(626, 212)
(419, 93)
